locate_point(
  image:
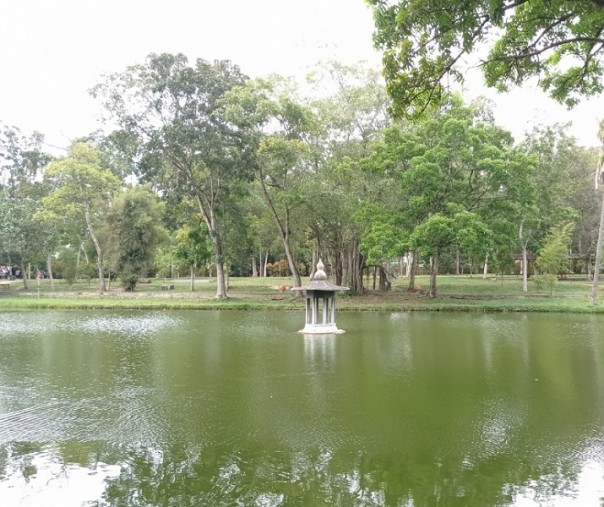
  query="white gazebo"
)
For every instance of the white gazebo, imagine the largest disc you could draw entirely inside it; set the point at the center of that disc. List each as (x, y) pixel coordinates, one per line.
(320, 303)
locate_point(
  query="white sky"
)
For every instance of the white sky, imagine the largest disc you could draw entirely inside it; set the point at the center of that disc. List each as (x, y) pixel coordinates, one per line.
(53, 51)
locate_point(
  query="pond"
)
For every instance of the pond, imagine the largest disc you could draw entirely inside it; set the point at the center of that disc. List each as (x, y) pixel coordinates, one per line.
(236, 408)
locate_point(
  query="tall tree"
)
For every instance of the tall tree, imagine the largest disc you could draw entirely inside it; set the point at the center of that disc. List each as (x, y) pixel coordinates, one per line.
(557, 188)
(425, 41)
(134, 234)
(173, 127)
(446, 166)
(21, 162)
(82, 189)
(283, 126)
(352, 112)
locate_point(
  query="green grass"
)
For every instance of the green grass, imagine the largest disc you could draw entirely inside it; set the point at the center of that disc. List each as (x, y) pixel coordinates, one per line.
(455, 293)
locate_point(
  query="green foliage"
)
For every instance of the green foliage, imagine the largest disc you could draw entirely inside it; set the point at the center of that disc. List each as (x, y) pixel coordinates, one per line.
(329, 178)
(79, 183)
(546, 282)
(134, 234)
(23, 238)
(177, 134)
(455, 173)
(424, 42)
(433, 235)
(553, 255)
(81, 191)
(383, 239)
(192, 244)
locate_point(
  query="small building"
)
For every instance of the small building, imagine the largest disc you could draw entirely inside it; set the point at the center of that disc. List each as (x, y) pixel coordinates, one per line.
(320, 303)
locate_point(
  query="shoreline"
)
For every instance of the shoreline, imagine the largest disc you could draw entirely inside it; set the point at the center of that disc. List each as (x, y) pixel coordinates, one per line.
(457, 293)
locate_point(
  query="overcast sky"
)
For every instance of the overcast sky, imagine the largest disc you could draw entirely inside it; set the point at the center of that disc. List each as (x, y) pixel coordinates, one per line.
(53, 51)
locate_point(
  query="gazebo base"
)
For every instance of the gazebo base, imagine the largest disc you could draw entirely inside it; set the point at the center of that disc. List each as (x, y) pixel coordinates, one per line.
(321, 329)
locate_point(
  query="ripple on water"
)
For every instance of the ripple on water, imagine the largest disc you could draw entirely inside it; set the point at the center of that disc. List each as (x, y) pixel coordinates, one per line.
(24, 323)
(129, 325)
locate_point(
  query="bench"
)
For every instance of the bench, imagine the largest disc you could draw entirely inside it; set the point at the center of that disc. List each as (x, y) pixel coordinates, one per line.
(4, 285)
(167, 287)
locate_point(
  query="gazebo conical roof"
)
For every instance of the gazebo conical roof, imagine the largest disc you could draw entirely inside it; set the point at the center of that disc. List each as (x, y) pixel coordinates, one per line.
(319, 281)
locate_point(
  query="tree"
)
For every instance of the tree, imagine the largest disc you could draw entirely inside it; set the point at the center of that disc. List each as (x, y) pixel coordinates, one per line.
(600, 189)
(448, 164)
(556, 188)
(454, 228)
(192, 246)
(352, 113)
(553, 255)
(425, 42)
(175, 133)
(82, 189)
(383, 238)
(260, 226)
(21, 162)
(282, 126)
(134, 234)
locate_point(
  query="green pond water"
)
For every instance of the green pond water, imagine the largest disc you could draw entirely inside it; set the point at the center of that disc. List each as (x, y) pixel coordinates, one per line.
(233, 408)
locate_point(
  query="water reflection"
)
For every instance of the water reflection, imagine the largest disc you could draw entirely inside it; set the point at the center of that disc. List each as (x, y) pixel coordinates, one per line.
(35, 475)
(319, 348)
(229, 408)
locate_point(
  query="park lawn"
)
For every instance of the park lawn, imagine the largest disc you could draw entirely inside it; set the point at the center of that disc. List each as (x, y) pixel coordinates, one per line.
(455, 293)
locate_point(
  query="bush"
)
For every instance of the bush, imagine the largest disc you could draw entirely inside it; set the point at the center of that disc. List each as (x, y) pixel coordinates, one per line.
(546, 282)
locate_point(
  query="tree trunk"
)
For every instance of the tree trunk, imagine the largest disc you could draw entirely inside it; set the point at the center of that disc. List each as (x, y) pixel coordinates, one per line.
(412, 269)
(192, 283)
(595, 285)
(77, 266)
(385, 280)
(291, 263)
(524, 267)
(264, 264)
(49, 269)
(457, 262)
(433, 275)
(355, 261)
(254, 267)
(99, 252)
(524, 243)
(283, 226)
(338, 268)
(209, 218)
(485, 271)
(24, 275)
(284, 230)
(221, 287)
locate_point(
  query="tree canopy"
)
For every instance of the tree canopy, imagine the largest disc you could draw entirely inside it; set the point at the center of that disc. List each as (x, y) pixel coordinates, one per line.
(269, 177)
(170, 119)
(425, 43)
(81, 189)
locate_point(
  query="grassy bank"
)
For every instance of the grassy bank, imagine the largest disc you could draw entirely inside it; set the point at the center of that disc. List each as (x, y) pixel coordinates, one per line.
(456, 293)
